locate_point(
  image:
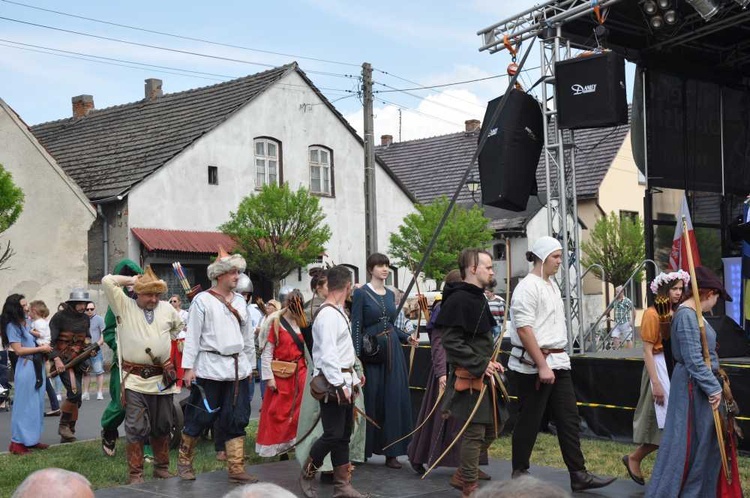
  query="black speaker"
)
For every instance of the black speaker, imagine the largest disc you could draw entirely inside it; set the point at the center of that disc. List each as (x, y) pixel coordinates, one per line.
(591, 91)
(509, 159)
(731, 341)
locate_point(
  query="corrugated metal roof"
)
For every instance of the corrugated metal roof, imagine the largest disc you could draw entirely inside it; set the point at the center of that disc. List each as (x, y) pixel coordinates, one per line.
(156, 239)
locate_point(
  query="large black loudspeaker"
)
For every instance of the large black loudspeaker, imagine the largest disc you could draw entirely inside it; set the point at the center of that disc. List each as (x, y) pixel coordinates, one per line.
(508, 161)
(731, 341)
(591, 91)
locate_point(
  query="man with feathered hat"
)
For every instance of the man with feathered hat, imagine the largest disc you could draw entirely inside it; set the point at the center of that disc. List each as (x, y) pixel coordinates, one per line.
(145, 329)
(218, 360)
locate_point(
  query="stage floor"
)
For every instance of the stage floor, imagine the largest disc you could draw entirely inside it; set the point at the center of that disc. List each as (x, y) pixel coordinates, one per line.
(637, 354)
(372, 477)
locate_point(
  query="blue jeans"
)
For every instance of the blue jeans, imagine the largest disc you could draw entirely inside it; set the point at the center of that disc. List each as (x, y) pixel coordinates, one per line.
(52, 395)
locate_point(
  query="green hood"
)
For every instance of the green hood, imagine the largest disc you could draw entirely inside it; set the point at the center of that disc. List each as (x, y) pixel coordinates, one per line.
(129, 264)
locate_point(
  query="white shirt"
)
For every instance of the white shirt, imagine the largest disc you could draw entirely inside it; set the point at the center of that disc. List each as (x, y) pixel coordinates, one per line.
(255, 316)
(212, 327)
(537, 303)
(42, 326)
(333, 348)
(184, 315)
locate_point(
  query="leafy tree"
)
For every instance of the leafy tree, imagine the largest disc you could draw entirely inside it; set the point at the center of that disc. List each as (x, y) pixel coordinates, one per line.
(278, 230)
(617, 244)
(464, 228)
(11, 205)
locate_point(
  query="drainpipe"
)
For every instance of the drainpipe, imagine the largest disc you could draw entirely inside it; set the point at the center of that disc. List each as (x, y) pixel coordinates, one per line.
(105, 238)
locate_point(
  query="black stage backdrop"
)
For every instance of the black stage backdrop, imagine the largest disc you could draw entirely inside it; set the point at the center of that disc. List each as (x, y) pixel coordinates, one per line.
(607, 390)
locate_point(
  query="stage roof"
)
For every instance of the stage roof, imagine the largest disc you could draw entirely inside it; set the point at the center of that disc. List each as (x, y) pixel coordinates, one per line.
(707, 50)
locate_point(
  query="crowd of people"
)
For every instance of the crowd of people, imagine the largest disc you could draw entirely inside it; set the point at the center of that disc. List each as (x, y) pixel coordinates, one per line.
(335, 381)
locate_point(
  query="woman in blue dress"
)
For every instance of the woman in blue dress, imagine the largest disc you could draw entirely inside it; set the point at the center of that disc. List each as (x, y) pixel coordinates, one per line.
(387, 399)
(689, 462)
(27, 418)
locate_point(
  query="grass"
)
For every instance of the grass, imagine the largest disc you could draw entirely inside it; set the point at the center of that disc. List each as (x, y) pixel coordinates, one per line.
(602, 457)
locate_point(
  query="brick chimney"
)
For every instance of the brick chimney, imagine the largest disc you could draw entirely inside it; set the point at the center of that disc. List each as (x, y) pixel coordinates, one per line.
(82, 105)
(472, 125)
(153, 89)
(386, 140)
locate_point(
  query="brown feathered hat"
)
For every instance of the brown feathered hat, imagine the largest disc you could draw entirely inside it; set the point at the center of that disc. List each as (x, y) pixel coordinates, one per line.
(149, 283)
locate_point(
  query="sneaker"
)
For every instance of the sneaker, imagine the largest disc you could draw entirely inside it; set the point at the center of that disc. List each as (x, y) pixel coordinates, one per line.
(85, 397)
(99, 396)
(59, 397)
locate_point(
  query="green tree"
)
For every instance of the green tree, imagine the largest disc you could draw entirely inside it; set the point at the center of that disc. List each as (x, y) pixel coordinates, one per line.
(11, 205)
(278, 230)
(464, 228)
(617, 244)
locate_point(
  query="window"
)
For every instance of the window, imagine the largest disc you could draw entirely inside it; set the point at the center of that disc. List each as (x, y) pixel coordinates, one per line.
(392, 277)
(321, 178)
(267, 162)
(498, 251)
(213, 175)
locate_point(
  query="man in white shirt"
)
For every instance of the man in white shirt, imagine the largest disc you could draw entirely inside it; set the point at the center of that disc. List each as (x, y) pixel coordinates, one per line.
(145, 329)
(218, 360)
(542, 367)
(334, 358)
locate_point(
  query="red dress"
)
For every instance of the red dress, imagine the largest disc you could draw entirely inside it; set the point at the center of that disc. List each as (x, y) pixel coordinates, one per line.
(279, 415)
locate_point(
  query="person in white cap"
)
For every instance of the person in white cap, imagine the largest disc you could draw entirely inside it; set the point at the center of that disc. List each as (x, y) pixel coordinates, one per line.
(542, 367)
(218, 361)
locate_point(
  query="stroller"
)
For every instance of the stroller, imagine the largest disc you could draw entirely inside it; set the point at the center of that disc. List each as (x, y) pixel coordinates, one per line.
(5, 385)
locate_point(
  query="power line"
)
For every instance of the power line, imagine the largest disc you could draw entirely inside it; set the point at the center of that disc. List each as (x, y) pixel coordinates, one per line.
(433, 86)
(182, 37)
(418, 112)
(423, 98)
(158, 47)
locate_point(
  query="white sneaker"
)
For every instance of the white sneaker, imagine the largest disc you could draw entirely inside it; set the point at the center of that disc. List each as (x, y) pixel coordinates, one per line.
(99, 396)
(59, 397)
(85, 397)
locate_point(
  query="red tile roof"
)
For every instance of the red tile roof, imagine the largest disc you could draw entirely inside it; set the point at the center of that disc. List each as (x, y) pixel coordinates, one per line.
(155, 239)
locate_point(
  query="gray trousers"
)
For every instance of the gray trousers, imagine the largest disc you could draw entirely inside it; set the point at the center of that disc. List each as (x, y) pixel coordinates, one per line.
(147, 415)
(475, 440)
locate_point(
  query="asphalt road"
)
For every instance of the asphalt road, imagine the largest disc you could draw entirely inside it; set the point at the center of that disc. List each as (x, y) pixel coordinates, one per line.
(89, 420)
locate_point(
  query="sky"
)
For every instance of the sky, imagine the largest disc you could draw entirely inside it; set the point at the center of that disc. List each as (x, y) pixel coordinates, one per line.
(409, 44)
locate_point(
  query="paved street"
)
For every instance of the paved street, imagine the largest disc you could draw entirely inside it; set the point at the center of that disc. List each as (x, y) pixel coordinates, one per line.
(89, 417)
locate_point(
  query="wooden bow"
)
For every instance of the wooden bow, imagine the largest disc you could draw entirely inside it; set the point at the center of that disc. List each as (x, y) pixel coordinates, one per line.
(495, 379)
(704, 346)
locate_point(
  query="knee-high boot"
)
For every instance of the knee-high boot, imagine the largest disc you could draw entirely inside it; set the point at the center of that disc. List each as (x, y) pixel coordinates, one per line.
(160, 447)
(342, 483)
(185, 458)
(69, 415)
(236, 462)
(134, 452)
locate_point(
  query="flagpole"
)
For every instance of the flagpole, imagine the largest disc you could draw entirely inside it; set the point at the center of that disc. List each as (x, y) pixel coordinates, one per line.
(704, 345)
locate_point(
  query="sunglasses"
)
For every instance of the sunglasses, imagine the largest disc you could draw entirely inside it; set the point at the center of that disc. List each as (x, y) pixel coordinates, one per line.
(174, 301)
(90, 309)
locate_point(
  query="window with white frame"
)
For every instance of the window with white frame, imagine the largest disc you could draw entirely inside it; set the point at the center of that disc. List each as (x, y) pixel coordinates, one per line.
(321, 171)
(267, 162)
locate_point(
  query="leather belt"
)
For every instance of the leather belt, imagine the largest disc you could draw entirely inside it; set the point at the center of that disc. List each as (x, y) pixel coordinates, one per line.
(143, 371)
(347, 370)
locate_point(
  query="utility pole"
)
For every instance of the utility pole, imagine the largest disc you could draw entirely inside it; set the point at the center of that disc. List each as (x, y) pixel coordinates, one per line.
(399, 124)
(371, 212)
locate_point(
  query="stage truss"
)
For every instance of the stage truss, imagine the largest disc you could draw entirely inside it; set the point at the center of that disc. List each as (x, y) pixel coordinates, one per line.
(545, 21)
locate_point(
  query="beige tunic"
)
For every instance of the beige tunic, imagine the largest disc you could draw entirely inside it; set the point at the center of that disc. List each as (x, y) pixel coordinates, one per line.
(135, 334)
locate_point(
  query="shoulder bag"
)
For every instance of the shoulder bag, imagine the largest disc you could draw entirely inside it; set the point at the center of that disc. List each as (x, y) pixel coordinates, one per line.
(285, 369)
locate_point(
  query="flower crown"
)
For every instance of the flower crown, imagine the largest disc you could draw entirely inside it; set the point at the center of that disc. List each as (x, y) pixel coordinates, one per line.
(668, 278)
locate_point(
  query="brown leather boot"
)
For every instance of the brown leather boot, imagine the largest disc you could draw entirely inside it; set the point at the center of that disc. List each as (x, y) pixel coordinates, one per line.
(185, 457)
(160, 447)
(134, 455)
(64, 429)
(342, 483)
(235, 449)
(457, 480)
(307, 479)
(469, 489)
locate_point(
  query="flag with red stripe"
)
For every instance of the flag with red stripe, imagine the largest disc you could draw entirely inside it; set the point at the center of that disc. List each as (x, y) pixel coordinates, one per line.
(678, 254)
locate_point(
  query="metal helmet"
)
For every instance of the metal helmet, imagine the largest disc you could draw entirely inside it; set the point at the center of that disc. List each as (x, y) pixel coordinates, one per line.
(244, 284)
(284, 294)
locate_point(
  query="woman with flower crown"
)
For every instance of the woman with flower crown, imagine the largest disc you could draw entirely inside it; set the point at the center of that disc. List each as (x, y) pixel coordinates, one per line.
(651, 411)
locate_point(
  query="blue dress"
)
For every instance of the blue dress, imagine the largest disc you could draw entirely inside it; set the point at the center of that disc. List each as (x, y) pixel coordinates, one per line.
(27, 417)
(386, 391)
(689, 462)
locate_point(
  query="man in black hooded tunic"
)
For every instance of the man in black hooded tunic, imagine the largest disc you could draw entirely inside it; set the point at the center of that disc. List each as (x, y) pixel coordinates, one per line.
(466, 321)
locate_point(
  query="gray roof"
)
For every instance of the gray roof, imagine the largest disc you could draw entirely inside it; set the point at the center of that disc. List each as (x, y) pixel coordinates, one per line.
(431, 167)
(111, 150)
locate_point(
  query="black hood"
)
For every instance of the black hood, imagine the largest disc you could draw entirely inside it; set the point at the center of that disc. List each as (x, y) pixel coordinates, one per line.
(454, 287)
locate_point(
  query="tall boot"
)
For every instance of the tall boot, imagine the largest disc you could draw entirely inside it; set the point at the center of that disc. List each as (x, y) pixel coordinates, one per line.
(160, 447)
(185, 458)
(236, 462)
(469, 488)
(66, 434)
(134, 455)
(342, 483)
(307, 479)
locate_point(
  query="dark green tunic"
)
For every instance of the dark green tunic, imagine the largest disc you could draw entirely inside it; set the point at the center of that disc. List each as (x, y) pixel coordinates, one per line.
(466, 322)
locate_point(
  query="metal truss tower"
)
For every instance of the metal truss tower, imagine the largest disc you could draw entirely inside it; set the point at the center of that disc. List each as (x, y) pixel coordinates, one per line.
(545, 21)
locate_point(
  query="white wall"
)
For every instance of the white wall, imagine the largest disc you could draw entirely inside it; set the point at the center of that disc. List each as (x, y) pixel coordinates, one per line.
(178, 196)
(50, 238)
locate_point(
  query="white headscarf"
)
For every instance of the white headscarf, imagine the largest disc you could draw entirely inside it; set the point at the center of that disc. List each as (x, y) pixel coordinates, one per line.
(544, 246)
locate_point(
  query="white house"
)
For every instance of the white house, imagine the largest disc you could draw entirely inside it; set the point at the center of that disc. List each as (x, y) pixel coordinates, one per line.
(166, 171)
(50, 238)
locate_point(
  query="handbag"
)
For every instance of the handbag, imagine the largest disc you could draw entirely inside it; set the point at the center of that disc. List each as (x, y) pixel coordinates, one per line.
(465, 381)
(371, 352)
(283, 369)
(321, 389)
